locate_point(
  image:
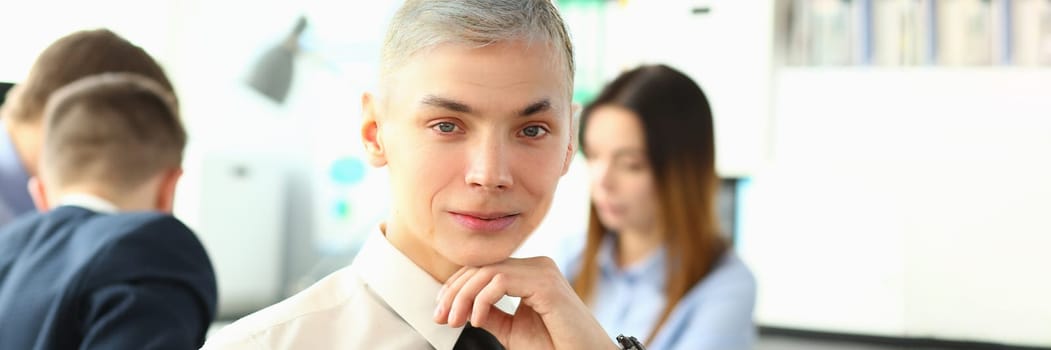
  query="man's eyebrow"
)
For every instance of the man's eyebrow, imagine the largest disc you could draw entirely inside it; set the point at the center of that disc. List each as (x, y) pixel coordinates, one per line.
(460, 107)
(536, 107)
(446, 103)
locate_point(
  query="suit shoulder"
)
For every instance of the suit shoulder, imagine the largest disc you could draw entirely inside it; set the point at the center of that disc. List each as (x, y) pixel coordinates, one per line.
(26, 225)
(16, 235)
(149, 245)
(142, 231)
(143, 234)
(140, 223)
(19, 229)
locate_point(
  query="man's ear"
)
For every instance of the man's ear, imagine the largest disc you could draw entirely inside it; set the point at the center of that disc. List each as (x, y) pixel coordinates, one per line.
(166, 190)
(39, 194)
(572, 149)
(370, 134)
(569, 159)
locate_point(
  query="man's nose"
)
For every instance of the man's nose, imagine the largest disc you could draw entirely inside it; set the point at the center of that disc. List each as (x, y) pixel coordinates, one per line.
(490, 165)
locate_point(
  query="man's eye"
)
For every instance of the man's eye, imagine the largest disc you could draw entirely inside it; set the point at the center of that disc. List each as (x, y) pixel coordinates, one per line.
(534, 131)
(445, 127)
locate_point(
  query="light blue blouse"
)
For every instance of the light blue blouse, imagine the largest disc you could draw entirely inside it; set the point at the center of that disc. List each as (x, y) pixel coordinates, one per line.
(715, 314)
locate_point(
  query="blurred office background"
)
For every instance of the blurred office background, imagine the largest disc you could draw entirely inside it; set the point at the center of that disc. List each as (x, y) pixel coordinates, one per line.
(887, 162)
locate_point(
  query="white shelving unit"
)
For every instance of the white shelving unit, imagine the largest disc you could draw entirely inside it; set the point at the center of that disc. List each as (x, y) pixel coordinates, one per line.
(906, 202)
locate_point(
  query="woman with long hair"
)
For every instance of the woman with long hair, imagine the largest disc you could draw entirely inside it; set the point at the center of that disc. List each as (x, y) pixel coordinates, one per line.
(655, 262)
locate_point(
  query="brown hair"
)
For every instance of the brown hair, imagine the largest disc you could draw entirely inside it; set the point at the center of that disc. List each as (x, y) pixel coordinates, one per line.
(75, 56)
(677, 123)
(116, 129)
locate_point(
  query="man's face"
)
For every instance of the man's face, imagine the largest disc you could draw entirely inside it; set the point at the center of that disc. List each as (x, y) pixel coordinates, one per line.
(475, 140)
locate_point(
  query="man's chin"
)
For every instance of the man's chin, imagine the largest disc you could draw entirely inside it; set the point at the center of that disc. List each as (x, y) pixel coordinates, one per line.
(481, 249)
(480, 257)
(484, 260)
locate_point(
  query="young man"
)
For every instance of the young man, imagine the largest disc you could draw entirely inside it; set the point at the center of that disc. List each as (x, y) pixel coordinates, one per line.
(104, 266)
(75, 56)
(473, 120)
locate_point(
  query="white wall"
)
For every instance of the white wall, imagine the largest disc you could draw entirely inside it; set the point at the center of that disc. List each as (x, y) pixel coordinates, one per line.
(29, 26)
(906, 202)
(734, 70)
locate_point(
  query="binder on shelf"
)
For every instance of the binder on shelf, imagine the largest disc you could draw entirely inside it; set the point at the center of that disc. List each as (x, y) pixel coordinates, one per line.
(965, 32)
(916, 32)
(901, 31)
(864, 48)
(1030, 32)
(1002, 35)
(824, 33)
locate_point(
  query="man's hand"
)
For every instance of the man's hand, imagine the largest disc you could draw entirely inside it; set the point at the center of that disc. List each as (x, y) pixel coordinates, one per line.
(551, 316)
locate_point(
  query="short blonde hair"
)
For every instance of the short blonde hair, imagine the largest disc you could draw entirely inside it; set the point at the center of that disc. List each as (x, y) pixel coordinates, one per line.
(116, 130)
(422, 24)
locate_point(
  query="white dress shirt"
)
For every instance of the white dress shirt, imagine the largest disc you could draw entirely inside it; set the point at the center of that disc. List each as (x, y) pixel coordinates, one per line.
(381, 301)
(90, 202)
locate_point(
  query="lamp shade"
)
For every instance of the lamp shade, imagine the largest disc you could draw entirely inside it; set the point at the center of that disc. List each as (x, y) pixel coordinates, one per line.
(4, 87)
(272, 74)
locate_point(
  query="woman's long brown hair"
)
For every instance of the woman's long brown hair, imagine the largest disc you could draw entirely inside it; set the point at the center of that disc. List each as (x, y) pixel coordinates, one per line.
(677, 123)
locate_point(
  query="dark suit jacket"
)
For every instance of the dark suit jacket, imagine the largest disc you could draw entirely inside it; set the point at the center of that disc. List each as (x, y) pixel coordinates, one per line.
(75, 279)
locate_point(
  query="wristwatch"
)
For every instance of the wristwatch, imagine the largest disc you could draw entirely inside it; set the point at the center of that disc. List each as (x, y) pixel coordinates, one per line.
(629, 343)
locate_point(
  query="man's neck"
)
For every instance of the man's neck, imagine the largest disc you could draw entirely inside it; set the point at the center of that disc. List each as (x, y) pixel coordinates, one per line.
(88, 201)
(421, 253)
(121, 203)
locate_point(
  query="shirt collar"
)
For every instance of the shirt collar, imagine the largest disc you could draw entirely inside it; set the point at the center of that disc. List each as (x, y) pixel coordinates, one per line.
(90, 202)
(13, 175)
(405, 287)
(650, 270)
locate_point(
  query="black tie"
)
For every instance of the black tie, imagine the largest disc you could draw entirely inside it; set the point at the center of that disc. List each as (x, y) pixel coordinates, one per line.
(476, 339)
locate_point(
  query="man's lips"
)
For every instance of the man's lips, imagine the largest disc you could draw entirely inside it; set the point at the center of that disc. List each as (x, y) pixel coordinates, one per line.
(485, 222)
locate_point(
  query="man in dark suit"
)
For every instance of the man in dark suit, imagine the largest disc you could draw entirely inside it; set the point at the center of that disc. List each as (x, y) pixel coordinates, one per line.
(72, 57)
(105, 266)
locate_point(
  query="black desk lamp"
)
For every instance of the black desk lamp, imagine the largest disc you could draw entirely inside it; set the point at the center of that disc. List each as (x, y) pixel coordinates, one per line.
(272, 74)
(4, 87)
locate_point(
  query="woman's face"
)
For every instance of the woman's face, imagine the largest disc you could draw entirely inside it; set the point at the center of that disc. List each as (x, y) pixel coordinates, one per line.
(623, 189)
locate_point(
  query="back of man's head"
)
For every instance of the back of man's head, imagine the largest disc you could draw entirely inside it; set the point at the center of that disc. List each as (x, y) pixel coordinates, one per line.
(423, 24)
(76, 56)
(114, 131)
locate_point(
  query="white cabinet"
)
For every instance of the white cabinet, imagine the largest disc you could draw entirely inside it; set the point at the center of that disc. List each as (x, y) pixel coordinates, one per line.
(235, 203)
(906, 202)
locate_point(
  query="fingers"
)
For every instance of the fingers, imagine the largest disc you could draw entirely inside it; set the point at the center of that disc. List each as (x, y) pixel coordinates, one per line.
(452, 278)
(471, 292)
(553, 314)
(449, 292)
(483, 303)
(464, 302)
